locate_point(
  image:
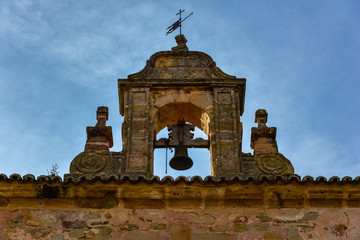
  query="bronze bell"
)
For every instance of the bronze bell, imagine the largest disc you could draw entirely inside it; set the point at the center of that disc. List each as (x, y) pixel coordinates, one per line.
(181, 160)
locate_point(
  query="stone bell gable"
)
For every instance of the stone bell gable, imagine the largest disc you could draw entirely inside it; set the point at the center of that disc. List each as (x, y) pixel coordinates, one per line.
(181, 86)
(176, 85)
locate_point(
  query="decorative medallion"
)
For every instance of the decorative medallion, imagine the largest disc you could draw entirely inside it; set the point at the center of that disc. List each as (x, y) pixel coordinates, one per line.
(90, 162)
(274, 163)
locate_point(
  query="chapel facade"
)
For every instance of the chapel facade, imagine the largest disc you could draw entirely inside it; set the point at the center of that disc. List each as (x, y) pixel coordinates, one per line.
(115, 195)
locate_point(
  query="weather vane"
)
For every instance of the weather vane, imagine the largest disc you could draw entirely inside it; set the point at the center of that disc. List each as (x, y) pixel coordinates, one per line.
(177, 23)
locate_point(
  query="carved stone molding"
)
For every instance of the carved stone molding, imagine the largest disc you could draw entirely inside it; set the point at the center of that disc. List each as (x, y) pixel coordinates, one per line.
(173, 64)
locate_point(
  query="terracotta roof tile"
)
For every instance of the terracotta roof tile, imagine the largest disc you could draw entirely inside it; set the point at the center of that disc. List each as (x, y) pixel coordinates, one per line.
(209, 180)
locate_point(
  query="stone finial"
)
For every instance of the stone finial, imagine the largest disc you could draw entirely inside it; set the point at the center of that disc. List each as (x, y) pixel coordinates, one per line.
(100, 136)
(263, 141)
(96, 158)
(261, 117)
(181, 44)
(263, 138)
(102, 112)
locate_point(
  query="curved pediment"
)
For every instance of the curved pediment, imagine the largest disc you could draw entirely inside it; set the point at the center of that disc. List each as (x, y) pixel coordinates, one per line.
(180, 65)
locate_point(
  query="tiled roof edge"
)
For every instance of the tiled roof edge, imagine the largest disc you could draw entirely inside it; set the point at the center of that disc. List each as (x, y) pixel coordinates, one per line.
(105, 178)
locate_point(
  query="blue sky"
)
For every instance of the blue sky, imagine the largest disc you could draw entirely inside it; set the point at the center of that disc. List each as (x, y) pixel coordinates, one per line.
(59, 60)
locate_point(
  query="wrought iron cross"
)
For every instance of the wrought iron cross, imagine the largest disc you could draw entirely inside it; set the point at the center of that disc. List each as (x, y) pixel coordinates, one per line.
(177, 24)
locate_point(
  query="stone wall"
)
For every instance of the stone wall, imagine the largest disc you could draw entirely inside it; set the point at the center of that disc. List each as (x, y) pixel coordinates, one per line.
(139, 208)
(161, 224)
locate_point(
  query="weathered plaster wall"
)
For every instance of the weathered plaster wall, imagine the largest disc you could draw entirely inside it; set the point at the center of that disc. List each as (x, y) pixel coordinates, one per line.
(113, 208)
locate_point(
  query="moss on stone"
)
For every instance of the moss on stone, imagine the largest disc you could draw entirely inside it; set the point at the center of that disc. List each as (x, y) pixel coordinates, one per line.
(16, 222)
(219, 229)
(241, 228)
(263, 217)
(132, 227)
(76, 233)
(158, 226)
(261, 226)
(57, 237)
(293, 234)
(272, 236)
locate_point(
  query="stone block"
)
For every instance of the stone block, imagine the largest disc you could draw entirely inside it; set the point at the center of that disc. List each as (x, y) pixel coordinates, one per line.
(263, 217)
(214, 236)
(4, 202)
(338, 230)
(265, 148)
(293, 234)
(139, 97)
(137, 163)
(163, 100)
(184, 193)
(76, 233)
(219, 229)
(97, 223)
(227, 135)
(144, 193)
(225, 114)
(40, 219)
(139, 134)
(224, 98)
(180, 232)
(57, 237)
(241, 219)
(144, 204)
(205, 219)
(158, 226)
(261, 226)
(203, 99)
(272, 236)
(226, 148)
(74, 224)
(185, 203)
(241, 227)
(223, 125)
(16, 222)
(212, 199)
(310, 216)
(108, 200)
(138, 111)
(132, 227)
(144, 235)
(104, 233)
(138, 125)
(90, 235)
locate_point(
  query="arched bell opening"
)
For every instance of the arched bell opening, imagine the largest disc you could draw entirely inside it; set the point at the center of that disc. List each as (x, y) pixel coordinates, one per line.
(199, 156)
(173, 112)
(178, 118)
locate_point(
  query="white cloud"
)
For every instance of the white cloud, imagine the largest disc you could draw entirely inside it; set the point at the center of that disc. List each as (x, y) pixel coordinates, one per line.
(322, 156)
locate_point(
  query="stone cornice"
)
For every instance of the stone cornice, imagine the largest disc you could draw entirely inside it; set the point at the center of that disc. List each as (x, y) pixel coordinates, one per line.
(114, 192)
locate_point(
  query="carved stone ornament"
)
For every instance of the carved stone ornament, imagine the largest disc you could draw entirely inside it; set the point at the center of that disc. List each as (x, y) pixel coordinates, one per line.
(274, 163)
(261, 115)
(90, 162)
(177, 65)
(268, 132)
